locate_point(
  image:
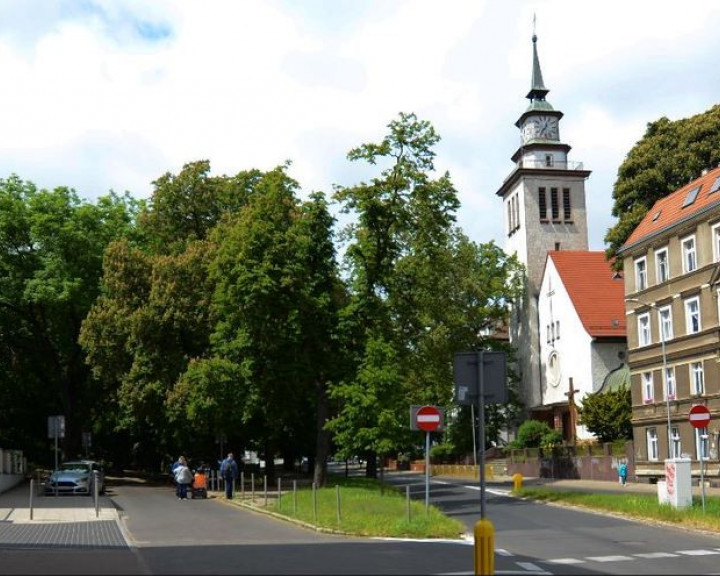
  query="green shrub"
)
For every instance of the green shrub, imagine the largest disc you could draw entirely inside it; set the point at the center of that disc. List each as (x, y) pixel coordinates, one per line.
(531, 434)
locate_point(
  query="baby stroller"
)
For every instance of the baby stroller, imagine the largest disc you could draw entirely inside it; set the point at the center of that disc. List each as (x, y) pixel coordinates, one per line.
(199, 485)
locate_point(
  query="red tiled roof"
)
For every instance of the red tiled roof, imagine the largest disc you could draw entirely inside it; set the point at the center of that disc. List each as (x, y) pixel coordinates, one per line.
(598, 298)
(669, 209)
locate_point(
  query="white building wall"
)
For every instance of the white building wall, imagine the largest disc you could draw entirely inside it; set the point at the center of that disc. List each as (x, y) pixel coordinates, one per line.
(573, 347)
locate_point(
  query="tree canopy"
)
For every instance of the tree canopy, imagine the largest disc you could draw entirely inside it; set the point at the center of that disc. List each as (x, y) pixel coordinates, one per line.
(670, 154)
(608, 414)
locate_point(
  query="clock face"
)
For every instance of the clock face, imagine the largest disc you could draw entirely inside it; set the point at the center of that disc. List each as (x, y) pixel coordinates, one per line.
(530, 129)
(548, 127)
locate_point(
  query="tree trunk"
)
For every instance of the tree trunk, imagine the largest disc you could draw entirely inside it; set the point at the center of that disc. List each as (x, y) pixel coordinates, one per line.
(322, 442)
(371, 464)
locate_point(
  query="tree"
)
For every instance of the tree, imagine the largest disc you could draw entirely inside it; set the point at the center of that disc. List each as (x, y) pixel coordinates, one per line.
(276, 305)
(51, 247)
(608, 414)
(670, 154)
(419, 291)
(154, 316)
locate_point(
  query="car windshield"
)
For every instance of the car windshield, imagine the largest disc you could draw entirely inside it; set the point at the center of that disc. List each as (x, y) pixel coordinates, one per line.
(75, 467)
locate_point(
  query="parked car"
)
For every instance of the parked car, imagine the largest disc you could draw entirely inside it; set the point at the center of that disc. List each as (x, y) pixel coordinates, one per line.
(76, 477)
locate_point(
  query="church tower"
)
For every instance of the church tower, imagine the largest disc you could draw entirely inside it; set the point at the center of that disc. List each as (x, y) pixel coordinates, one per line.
(544, 209)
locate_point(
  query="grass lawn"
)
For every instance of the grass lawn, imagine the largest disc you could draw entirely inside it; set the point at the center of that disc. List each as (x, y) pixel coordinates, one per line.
(365, 510)
(642, 506)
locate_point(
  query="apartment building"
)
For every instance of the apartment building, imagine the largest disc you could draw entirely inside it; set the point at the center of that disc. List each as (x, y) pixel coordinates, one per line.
(672, 304)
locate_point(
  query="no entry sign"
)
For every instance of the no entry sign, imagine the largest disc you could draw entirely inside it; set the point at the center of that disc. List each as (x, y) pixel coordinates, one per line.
(699, 416)
(428, 418)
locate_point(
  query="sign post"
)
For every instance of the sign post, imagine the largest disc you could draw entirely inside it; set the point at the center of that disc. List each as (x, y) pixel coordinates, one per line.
(56, 429)
(700, 418)
(428, 419)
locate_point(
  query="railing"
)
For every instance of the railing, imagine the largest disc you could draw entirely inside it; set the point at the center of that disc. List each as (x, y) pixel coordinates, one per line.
(554, 165)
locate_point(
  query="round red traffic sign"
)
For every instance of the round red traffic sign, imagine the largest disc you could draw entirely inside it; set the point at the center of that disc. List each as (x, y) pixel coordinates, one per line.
(699, 416)
(428, 418)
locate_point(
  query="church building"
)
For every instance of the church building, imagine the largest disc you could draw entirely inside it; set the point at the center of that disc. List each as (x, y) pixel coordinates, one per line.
(560, 350)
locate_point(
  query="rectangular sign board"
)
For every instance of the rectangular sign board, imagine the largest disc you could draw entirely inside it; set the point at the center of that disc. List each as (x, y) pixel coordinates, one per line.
(56, 426)
(465, 376)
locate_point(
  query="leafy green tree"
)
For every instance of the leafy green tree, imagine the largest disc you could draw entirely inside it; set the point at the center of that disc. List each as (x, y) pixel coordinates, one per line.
(419, 291)
(276, 306)
(608, 414)
(154, 316)
(51, 247)
(670, 154)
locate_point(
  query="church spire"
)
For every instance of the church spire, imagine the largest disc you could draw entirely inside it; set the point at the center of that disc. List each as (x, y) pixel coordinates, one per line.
(537, 90)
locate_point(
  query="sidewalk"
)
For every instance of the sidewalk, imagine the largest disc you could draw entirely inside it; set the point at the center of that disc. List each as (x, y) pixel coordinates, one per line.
(15, 507)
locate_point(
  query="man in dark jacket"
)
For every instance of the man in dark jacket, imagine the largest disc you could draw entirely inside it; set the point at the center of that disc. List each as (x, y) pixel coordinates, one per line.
(229, 472)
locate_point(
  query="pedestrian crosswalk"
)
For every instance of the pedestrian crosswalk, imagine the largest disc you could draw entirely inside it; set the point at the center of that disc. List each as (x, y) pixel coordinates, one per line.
(544, 566)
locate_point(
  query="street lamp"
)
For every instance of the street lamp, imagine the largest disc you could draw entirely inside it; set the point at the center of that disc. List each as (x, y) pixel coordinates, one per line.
(664, 367)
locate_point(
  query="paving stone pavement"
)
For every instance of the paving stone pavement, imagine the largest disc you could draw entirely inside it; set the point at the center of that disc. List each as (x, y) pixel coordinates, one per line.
(58, 522)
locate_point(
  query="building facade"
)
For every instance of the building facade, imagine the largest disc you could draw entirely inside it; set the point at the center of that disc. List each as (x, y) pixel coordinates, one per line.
(672, 290)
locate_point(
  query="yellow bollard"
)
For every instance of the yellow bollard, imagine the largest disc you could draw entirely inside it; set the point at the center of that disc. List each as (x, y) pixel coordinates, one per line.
(517, 482)
(484, 547)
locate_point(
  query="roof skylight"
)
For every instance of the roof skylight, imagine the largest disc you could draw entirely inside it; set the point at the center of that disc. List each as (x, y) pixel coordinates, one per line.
(657, 215)
(691, 196)
(716, 186)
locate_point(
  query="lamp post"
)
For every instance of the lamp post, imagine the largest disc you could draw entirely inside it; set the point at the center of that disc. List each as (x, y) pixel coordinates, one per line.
(664, 367)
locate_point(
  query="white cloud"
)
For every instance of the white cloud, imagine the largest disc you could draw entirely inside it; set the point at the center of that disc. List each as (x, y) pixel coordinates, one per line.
(110, 94)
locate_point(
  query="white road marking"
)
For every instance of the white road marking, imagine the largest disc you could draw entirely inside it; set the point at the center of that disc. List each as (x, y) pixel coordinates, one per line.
(651, 555)
(502, 552)
(566, 561)
(532, 567)
(609, 558)
(698, 552)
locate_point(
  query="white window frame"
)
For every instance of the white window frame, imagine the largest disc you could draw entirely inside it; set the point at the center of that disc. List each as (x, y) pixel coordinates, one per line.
(716, 242)
(648, 387)
(653, 452)
(662, 264)
(697, 378)
(644, 334)
(701, 444)
(689, 252)
(670, 384)
(641, 277)
(690, 315)
(676, 442)
(665, 323)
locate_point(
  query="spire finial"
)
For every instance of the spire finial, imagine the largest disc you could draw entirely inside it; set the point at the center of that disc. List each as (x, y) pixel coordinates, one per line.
(537, 88)
(534, 36)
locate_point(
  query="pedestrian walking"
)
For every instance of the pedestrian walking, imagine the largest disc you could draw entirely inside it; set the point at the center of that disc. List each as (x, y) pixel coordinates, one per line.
(622, 473)
(183, 478)
(229, 472)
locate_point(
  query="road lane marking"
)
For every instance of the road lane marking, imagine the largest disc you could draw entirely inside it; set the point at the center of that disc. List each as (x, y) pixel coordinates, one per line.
(609, 558)
(698, 552)
(503, 552)
(651, 555)
(566, 561)
(534, 568)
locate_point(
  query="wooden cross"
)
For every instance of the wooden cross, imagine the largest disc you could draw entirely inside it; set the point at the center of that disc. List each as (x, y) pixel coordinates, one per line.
(572, 409)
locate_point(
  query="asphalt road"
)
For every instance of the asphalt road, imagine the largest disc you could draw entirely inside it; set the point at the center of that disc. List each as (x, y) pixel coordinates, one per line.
(553, 539)
(167, 536)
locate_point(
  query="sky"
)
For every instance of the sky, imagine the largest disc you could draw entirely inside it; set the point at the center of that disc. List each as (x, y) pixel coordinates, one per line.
(102, 95)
